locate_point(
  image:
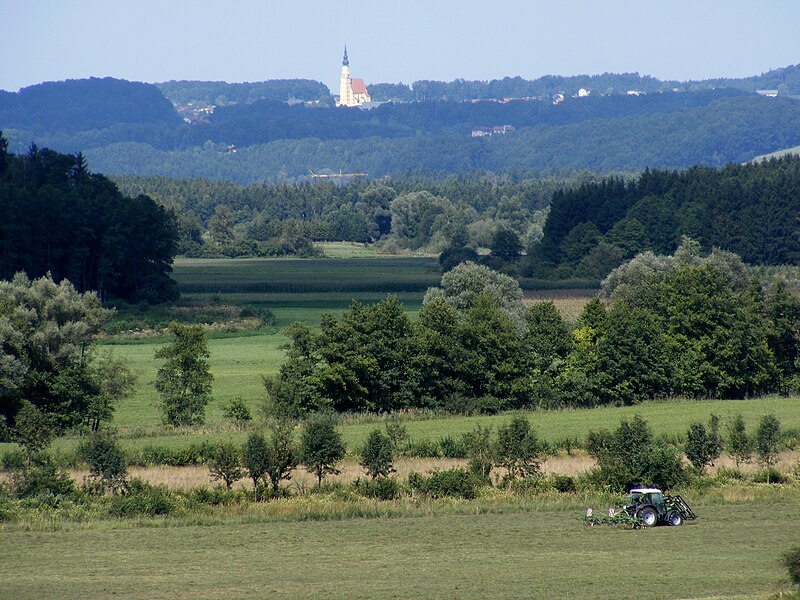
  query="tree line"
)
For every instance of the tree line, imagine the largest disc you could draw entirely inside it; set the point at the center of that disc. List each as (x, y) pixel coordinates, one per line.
(685, 325)
(57, 217)
(744, 208)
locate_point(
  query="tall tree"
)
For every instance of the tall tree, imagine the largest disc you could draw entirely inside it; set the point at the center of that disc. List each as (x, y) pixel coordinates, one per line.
(184, 380)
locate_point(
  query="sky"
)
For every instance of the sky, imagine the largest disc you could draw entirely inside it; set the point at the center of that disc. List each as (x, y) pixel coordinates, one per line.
(392, 41)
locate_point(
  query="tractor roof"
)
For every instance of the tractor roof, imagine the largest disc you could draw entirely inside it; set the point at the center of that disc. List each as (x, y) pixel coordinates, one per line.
(644, 491)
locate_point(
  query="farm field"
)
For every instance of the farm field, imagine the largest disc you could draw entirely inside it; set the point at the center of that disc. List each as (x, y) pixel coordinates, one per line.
(477, 550)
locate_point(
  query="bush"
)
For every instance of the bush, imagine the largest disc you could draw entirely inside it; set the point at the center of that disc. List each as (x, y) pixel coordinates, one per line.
(226, 464)
(42, 477)
(525, 487)
(142, 500)
(770, 475)
(13, 460)
(421, 449)
(193, 454)
(453, 483)
(453, 447)
(382, 488)
(216, 496)
(106, 461)
(236, 411)
(792, 562)
(469, 406)
(564, 483)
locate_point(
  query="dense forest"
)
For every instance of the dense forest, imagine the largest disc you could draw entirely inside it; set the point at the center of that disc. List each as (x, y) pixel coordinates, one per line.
(748, 209)
(58, 218)
(257, 134)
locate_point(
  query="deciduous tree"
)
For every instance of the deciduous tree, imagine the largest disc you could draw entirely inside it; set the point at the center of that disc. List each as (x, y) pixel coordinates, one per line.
(184, 380)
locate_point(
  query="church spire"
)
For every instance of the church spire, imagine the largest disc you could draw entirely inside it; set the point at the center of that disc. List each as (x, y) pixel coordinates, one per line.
(345, 62)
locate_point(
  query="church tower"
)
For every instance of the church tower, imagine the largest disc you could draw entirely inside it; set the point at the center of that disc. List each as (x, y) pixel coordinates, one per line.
(345, 84)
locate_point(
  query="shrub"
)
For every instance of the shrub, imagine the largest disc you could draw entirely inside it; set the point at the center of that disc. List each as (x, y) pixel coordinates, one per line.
(453, 447)
(454, 483)
(225, 466)
(397, 433)
(422, 449)
(480, 451)
(193, 454)
(236, 411)
(42, 477)
(216, 496)
(770, 475)
(13, 460)
(527, 486)
(106, 461)
(142, 499)
(564, 483)
(382, 488)
(792, 562)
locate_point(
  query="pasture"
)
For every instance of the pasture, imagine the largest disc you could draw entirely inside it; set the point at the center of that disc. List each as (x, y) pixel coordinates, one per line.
(480, 549)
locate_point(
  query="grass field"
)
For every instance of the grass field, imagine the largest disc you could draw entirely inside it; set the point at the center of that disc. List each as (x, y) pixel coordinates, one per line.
(473, 550)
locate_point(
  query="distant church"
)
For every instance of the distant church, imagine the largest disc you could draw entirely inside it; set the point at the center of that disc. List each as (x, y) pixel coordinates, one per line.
(352, 92)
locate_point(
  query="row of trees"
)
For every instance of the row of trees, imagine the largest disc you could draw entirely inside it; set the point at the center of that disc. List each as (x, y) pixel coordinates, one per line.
(682, 325)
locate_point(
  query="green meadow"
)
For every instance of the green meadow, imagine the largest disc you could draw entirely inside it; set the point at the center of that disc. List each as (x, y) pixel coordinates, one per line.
(473, 550)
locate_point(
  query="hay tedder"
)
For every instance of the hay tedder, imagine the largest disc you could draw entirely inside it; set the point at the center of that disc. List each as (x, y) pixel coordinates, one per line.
(645, 507)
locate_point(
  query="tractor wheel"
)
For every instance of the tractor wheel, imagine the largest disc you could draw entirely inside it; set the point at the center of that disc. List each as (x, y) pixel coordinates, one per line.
(675, 518)
(648, 515)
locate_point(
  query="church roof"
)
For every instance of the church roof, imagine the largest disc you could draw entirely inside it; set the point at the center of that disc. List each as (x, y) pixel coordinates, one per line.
(358, 86)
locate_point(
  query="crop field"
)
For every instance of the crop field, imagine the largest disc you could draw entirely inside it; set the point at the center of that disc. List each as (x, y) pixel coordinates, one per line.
(479, 549)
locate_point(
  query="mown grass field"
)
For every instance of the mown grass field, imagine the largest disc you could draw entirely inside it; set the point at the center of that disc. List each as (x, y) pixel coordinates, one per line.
(477, 550)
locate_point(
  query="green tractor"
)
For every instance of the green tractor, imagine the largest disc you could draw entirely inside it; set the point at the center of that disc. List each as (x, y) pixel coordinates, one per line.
(652, 507)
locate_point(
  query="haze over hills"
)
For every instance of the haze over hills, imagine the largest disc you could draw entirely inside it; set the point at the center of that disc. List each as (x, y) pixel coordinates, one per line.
(282, 129)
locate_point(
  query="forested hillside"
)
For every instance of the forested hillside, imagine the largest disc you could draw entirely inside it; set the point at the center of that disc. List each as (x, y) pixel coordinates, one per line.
(254, 134)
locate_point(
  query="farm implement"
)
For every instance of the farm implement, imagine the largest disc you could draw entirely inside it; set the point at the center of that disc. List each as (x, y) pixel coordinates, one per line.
(645, 507)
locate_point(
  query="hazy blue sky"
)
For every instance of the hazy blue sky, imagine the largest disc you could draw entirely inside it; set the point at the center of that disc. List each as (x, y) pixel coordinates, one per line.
(401, 40)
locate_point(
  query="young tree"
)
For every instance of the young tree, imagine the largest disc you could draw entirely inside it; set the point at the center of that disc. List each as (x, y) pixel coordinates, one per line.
(106, 459)
(255, 457)
(114, 382)
(480, 451)
(768, 441)
(226, 465)
(629, 456)
(321, 447)
(703, 446)
(281, 454)
(377, 455)
(184, 380)
(739, 445)
(33, 429)
(517, 448)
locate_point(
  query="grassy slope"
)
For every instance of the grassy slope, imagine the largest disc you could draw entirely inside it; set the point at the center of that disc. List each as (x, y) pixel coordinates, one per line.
(733, 550)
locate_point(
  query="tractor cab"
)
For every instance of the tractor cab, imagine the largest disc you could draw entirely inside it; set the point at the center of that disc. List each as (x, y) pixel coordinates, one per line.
(652, 507)
(645, 496)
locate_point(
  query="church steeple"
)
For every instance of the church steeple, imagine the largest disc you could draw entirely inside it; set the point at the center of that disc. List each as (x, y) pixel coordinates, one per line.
(345, 61)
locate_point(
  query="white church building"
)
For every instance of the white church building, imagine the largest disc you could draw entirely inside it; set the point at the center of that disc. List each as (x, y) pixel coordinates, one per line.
(352, 92)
